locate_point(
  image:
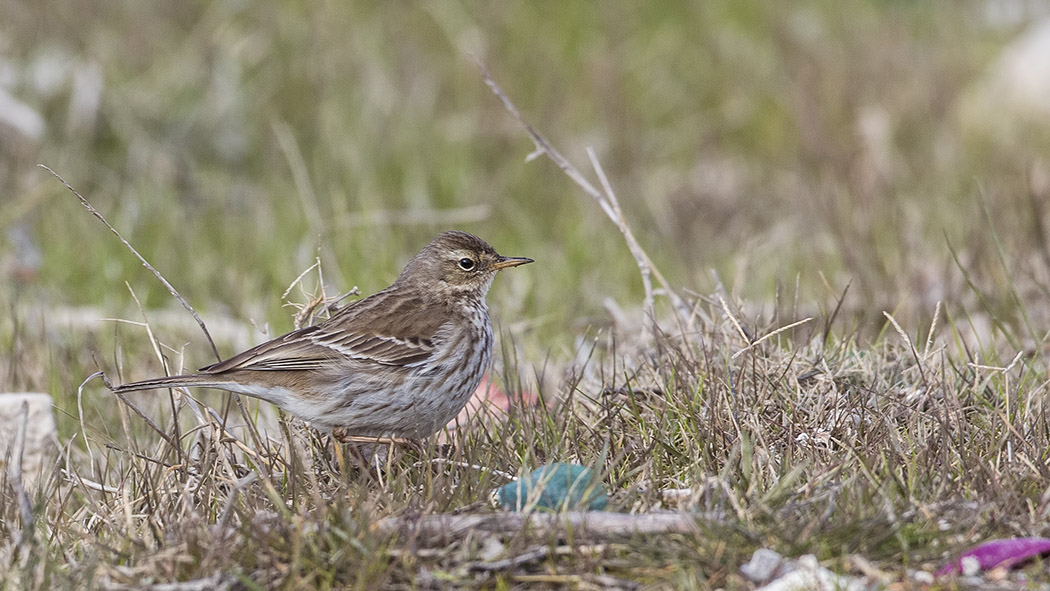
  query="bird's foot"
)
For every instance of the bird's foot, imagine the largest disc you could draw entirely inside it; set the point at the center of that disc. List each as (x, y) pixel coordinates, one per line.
(342, 435)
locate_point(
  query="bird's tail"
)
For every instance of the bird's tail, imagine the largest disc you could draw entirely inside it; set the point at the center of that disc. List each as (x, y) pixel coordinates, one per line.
(199, 381)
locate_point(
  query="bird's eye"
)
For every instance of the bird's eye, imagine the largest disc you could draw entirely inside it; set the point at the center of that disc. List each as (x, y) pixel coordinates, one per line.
(466, 264)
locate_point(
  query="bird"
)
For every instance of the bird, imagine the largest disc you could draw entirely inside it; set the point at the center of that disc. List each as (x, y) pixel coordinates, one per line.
(400, 363)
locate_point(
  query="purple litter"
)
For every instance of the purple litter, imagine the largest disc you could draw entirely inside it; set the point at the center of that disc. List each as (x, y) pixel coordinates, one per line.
(1005, 553)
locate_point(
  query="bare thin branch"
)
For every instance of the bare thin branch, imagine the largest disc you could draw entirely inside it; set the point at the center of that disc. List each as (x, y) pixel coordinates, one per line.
(645, 266)
(77, 478)
(605, 198)
(441, 528)
(171, 289)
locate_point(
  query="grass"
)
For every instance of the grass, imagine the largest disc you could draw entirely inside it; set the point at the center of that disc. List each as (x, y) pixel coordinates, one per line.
(777, 162)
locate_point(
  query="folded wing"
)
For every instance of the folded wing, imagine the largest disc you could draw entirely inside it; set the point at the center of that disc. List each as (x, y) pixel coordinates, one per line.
(356, 333)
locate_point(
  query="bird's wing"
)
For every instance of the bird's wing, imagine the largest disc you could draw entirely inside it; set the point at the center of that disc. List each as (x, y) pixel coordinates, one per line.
(387, 329)
(382, 330)
(291, 352)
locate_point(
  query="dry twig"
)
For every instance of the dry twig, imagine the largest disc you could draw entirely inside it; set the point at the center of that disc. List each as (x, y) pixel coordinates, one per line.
(441, 528)
(171, 289)
(605, 198)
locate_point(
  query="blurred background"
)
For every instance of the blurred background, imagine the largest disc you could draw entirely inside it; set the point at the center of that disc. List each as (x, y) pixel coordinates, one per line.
(781, 151)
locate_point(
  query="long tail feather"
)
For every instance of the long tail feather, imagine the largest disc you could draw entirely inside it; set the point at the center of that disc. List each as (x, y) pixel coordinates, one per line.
(168, 382)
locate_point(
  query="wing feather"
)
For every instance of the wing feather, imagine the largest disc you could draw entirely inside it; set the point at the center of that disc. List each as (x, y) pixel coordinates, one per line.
(379, 329)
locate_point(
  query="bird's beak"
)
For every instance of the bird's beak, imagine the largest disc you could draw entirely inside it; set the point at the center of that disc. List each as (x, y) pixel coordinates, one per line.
(507, 262)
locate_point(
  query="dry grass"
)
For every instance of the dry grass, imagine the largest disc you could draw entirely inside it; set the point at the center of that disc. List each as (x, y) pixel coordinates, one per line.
(802, 443)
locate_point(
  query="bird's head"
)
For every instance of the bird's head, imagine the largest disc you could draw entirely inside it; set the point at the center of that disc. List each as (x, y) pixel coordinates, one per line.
(457, 262)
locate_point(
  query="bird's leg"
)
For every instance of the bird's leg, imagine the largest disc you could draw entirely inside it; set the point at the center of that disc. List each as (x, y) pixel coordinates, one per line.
(342, 435)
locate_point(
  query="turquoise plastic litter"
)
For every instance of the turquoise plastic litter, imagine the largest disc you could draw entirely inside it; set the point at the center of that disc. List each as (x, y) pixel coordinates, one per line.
(555, 487)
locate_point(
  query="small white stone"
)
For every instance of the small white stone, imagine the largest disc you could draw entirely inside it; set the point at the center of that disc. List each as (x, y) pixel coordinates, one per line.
(41, 440)
(491, 549)
(811, 576)
(923, 577)
(762, 566)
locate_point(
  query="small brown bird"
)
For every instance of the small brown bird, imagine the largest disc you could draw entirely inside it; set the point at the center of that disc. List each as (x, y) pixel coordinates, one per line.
(399, 363)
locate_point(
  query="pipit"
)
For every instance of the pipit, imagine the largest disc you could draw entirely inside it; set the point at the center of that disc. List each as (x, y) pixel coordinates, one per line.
(400, 363)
